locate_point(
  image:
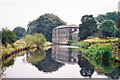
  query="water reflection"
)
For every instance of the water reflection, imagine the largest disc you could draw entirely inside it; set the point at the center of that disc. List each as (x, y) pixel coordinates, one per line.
(35, 56)
(87, 69)
(105, 67)
(56, 59)
(114, 74)
(48, 64)
(64, 55)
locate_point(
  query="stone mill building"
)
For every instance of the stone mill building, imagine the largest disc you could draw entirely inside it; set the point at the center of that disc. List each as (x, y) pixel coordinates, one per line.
(61, 34)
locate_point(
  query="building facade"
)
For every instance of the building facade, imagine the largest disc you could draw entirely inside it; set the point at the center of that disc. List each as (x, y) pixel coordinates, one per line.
(61, 34)
(64, 55)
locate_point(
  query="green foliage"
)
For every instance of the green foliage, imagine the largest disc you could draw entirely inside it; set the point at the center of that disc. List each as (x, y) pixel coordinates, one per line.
(39, 39)
(9, 63)
(8, 37)
(44, 25)
(48, 64)
(90, 37)
(80, 44)
(36, 56)
(110, 15)
(88, 27)
(36, 39)
(20, 32)
(108, 28)
(70, 37)
(99, 51)
(118, 33)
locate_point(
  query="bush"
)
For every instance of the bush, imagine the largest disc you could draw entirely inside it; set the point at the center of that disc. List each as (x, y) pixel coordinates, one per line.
(81, 44)
(99, 51)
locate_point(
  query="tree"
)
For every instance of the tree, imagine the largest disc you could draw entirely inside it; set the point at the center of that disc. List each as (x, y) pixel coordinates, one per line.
(36, 39)
(29, 40)
(8, 37)
(20, 32)
(39, 39)
(108, 28)
(88, 27)
(110, 15)
(44, 25)
(118, 33)
(115, 16)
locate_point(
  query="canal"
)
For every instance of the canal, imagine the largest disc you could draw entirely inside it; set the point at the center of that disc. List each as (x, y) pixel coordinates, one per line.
(60, 61)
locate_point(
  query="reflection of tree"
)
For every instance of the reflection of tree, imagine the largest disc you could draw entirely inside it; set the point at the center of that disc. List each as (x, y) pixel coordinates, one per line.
(36, 56)
(106, 66)
(114, 74)
(48, 64)
(87, 69)
(9, 63)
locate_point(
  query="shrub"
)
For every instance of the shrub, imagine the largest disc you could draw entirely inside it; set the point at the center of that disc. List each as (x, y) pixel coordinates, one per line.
(99, 51)
(81, 44)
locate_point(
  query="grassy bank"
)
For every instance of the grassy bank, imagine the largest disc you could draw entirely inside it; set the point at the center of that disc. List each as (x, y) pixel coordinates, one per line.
(97, 47)
(104, 54)
(19, 45)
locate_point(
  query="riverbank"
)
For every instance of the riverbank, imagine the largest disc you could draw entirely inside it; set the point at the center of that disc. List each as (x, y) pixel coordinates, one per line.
(92, 46)
(18, 46)
(104, 54)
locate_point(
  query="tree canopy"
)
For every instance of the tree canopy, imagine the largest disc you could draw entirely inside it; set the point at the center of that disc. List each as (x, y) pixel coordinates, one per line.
(36, 39)
(44, 25)
(8, 37)
(108, 28)
(88, 27)
(110, 15)
(20, 32)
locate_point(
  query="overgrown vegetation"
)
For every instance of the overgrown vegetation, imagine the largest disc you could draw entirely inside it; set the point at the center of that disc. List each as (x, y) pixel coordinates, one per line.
(81, 44)
(8, 37)
(115, 16)
(99, 51)
(44, 25)
(36, 39)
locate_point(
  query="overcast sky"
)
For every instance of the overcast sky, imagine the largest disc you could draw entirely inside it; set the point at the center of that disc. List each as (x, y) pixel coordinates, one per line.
(15, 13)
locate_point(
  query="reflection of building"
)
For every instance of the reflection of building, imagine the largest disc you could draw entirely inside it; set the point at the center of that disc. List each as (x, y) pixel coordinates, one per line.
(87, 69)
(61, 34)
(64, 55)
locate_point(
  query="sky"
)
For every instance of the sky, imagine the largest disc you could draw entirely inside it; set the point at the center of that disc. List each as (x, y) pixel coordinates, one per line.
(14, 13)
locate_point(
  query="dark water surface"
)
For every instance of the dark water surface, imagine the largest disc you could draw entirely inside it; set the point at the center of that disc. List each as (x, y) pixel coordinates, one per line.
(57, 62)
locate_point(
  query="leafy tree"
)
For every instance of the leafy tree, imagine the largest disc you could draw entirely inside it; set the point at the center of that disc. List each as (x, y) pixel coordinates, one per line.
(118, 33)
(29, 40)
(108, 28)
(88, 27)
(36, 39)
(20, 32)
(8, 37)
(44, 25)
(110, 15)
(39, 39)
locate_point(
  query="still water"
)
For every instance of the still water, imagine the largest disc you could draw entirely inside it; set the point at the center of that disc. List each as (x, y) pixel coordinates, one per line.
(57, 62)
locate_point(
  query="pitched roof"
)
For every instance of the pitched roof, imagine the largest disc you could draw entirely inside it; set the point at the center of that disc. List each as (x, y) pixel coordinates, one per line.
(72, 25)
